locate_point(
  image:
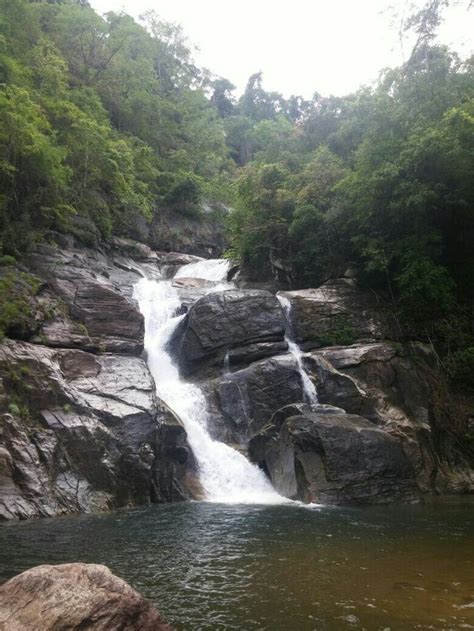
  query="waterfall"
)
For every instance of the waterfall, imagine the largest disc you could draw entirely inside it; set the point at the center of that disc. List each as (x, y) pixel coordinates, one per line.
(309, 388)
(225, 474)
(210, 269)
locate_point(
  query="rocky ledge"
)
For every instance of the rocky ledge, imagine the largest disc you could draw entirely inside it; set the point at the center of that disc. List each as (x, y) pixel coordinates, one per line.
(242, 325)
(74, 596)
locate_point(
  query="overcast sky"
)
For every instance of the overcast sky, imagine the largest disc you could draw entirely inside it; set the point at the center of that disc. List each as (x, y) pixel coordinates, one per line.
(301, 46)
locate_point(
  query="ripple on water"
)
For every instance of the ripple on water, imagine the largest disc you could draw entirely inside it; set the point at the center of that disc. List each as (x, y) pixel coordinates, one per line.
(213, 566)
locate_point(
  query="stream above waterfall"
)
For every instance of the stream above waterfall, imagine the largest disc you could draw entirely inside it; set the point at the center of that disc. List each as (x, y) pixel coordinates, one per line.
(213, 566)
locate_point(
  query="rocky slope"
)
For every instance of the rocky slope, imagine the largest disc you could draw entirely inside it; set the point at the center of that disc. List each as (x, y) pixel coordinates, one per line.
(81, 428)
(376, 435)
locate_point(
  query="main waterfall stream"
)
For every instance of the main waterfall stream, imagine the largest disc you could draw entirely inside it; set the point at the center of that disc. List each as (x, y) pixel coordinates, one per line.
(225, 474)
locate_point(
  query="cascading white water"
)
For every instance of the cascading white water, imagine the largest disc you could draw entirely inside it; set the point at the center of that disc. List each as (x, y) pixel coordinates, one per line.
(210, 269)
(225, 474)
(308, 386)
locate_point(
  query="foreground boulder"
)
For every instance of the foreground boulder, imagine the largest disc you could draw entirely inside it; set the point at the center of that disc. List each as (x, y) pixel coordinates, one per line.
(242, 325)
(72, 597)
(324, 455)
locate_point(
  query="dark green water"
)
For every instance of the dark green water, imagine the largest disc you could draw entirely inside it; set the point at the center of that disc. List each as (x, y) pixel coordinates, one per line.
(276, 567)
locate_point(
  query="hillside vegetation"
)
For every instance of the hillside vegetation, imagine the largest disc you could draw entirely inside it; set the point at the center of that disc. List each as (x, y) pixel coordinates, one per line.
(104, 121)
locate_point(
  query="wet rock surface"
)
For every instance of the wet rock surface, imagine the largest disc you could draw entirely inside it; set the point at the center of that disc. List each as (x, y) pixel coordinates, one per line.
(336, 312)
(247, 324)
(242, 402)
(82, 433)
(89, 298)
(385, 387)
(80, 426)
(328, 456)
(82, 430)
(74, 596)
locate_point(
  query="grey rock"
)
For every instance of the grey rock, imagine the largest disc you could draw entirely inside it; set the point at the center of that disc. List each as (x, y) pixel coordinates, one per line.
(251, 321)
(81, 432)
(334, 458)
(336, 307)
(392, 385)
(242, 402)
(90, 302)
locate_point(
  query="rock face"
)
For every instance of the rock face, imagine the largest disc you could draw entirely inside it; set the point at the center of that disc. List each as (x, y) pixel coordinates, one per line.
(335, 313)
(203, 236)
(80, 426)
(392, 385)
(82, 432)
(327, 456)
(245, 324)
(89, 300)
(72, 597)
(242, 402)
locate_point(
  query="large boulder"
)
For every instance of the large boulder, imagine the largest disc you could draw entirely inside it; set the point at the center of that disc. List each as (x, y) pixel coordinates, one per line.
(242, 402)
(324, 455)
(242, 325)
(337, 312)
(394, 386)
(74, 596)
(82, 432)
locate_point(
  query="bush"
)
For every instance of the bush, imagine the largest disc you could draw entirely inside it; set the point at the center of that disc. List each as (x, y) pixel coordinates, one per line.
(341, 333)
(20, 312)
(460, 367)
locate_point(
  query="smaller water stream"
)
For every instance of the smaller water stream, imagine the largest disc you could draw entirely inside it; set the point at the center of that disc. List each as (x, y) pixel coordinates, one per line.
(308, 386)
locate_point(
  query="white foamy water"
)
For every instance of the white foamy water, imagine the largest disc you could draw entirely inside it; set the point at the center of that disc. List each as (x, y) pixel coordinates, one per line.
(211, 269)
(225, 474)
(308, 386)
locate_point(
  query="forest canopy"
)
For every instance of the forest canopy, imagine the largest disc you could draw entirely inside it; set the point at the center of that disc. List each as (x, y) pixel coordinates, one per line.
(106, 120)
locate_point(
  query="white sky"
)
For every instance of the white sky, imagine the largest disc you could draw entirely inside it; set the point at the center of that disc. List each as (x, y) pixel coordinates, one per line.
(301, 46)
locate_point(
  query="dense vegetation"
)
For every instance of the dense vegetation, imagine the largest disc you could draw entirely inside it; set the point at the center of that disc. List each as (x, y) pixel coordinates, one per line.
(105, 120)
(101, 120)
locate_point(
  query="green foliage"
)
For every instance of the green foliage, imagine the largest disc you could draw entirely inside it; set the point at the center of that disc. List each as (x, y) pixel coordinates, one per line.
(20, 314)
(379, 181)
(105, 121)
(426, 289)
(341, 333)
(100, 118)
(460, 367)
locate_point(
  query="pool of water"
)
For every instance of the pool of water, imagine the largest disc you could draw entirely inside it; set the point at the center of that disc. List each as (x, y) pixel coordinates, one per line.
(209, 566)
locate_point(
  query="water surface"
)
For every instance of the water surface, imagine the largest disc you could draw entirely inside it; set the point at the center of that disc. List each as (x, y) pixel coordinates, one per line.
(210, 566)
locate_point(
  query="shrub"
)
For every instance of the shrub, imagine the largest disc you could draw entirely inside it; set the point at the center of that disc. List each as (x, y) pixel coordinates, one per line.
(20, 312)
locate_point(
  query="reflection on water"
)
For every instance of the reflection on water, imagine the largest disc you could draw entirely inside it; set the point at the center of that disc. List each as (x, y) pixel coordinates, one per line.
(211, 566)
